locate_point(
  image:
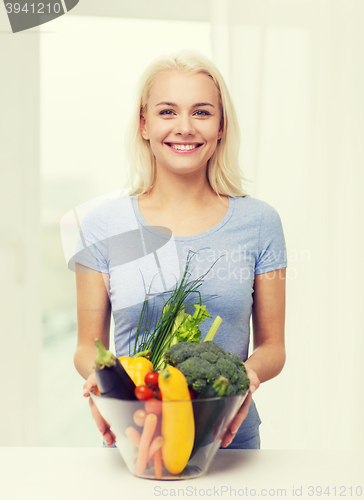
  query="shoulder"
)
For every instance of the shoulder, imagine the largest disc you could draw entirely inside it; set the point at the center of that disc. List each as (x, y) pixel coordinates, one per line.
(108, 216)
(93, 219)
(248, 206)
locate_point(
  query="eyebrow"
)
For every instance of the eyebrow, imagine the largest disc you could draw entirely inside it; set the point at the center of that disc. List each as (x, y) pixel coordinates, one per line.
(197, 105)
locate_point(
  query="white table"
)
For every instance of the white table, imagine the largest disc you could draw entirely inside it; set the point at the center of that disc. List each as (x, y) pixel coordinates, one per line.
(100, 473)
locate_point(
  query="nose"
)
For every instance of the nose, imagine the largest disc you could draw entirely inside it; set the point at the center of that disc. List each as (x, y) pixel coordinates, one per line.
(184, 125)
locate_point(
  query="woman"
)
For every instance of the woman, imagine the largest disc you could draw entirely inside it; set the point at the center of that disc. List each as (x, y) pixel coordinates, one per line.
(185, 177)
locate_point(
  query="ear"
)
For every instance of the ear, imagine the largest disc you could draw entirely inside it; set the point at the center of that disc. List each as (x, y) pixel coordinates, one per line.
(143, 128)
(221, 131)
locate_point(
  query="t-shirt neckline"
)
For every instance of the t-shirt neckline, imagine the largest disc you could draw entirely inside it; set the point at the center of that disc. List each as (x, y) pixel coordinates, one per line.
(219, 225)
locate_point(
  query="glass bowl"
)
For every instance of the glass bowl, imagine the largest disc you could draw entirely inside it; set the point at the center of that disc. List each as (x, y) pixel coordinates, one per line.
(204, 427)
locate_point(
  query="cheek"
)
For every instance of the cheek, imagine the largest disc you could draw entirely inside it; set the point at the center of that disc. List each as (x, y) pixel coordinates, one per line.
(211, 132)
(213, 139)
(158, 132)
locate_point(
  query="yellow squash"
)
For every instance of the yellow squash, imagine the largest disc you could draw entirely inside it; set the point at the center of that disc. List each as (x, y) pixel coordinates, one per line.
(136, 368)
(178, 424)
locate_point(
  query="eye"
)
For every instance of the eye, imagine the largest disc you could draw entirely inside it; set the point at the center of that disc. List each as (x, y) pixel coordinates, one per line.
(202, 112)
(166, 112)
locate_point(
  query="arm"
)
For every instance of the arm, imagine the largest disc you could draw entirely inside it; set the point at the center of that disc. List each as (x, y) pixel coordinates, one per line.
(268, 357)
(93, 318)
(268, 316)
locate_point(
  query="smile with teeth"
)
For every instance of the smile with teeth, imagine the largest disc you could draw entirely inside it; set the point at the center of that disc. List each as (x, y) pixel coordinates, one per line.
(183, 147)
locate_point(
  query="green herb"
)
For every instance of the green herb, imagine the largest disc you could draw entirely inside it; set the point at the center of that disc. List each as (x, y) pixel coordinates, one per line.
(173, 324)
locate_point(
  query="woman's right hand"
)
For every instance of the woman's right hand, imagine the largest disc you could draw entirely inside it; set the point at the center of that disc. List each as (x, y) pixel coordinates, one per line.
(101, 423)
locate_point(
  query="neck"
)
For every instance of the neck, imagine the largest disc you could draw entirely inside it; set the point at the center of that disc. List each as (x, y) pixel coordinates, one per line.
(171, 190)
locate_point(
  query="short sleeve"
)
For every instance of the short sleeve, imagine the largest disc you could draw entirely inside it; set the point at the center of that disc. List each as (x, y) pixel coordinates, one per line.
(272, 253)
(92, 242)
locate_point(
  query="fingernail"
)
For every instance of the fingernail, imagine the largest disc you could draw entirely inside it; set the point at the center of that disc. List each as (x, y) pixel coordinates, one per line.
(85, 391)
(233, 431)
(252, 389)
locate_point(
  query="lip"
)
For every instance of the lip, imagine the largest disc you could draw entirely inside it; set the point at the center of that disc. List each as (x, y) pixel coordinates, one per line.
(187, 151)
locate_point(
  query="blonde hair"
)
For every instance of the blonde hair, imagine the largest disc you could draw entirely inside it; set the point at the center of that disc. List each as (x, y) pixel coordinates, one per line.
(223, 170)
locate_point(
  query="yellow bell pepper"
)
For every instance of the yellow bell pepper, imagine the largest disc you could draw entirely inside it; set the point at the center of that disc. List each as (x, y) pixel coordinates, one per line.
(136, 368)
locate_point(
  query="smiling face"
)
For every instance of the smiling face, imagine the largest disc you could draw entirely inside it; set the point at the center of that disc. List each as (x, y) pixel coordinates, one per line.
(182, 121)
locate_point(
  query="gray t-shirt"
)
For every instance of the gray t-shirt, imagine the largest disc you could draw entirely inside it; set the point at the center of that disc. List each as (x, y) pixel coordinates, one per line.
(137, 258)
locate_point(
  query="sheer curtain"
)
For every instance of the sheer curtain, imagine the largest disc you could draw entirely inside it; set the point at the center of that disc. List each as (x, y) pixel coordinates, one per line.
(295, 69)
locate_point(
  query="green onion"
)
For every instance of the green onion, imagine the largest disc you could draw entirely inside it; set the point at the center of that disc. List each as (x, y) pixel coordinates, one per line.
(162, 335)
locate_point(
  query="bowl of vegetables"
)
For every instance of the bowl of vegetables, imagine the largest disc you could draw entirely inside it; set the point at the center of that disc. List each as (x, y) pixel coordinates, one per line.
(169, 423)
(170, 403)
(168, 440)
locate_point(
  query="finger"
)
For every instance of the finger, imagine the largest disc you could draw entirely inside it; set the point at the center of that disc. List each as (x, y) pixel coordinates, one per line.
(101, 423)
(109, 438)
(253, 378)
(90, 388)
(236, 423)
(89, 385)
(228, 438)
(90, 381)
(241, 415)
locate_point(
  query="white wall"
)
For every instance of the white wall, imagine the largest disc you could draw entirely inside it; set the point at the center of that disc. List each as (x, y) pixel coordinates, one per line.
(20, 269)
(296, 74)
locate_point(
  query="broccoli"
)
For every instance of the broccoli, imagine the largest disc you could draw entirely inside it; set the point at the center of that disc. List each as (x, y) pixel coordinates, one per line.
(184, 351)
(198, 372)
(203, 363)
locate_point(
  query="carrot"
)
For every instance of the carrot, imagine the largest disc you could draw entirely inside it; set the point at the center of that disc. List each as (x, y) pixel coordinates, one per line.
(139, 417)
(133, 435)
(155, 445)
(158, 429)
(158, 463)
(147, 435)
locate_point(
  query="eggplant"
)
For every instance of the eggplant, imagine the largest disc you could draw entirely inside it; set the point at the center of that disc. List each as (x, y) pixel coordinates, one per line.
(208, 413)
(112, 379)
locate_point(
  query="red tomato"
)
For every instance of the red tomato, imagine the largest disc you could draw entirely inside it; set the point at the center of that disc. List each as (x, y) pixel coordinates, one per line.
(142, 392)
(151, 380)
(153, 405)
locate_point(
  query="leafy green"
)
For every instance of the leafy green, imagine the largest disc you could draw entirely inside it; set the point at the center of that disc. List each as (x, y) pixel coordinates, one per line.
(188, 326)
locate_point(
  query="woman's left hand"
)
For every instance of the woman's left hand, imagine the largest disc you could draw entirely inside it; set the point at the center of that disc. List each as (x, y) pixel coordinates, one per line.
(243, 410)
